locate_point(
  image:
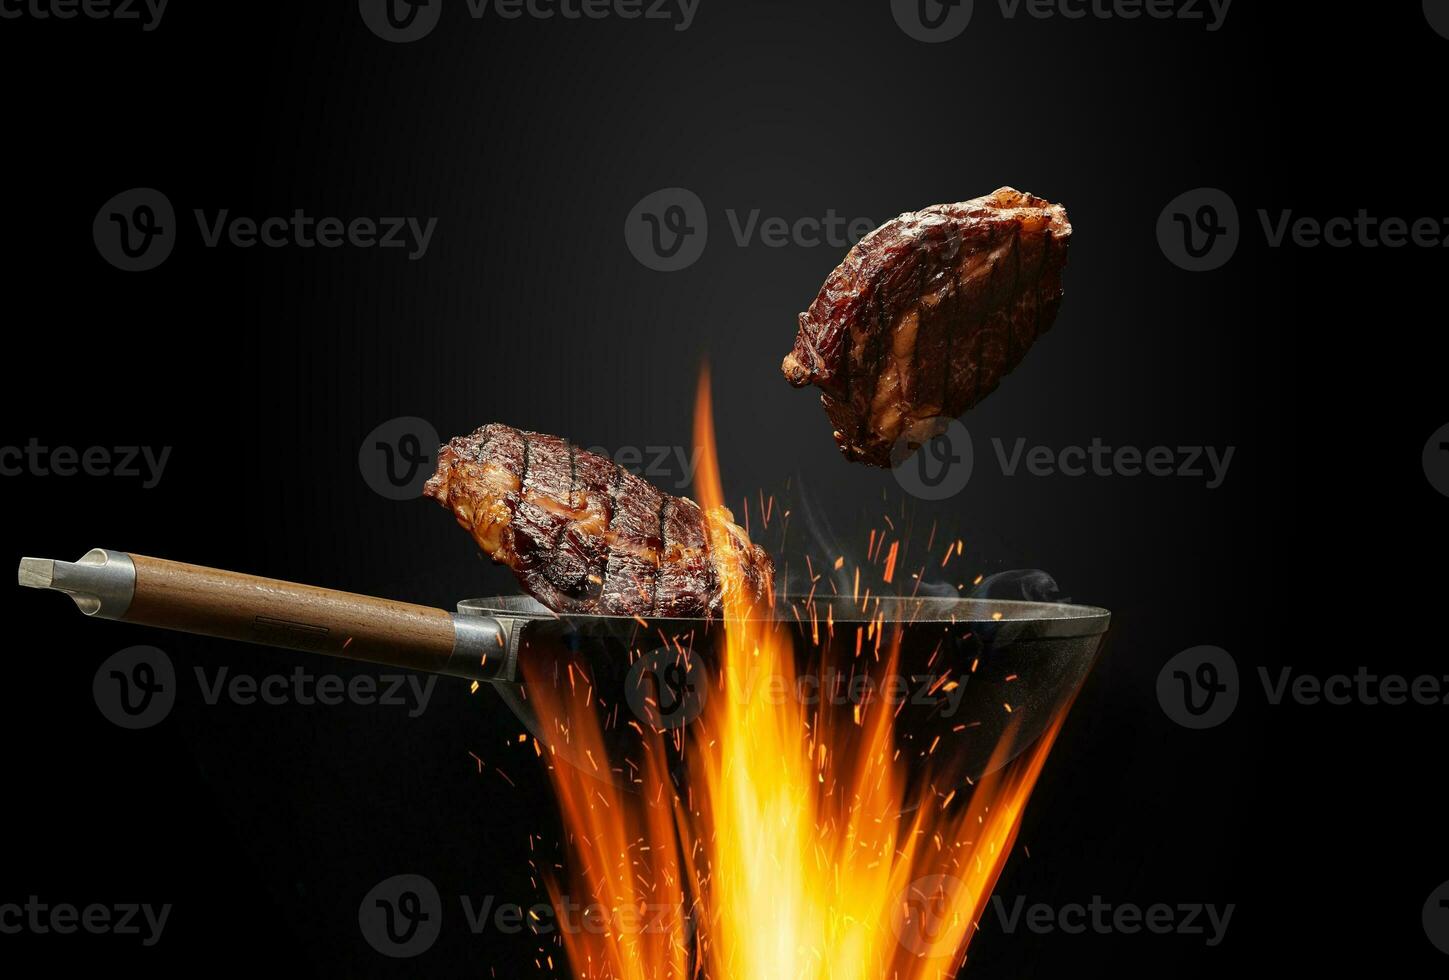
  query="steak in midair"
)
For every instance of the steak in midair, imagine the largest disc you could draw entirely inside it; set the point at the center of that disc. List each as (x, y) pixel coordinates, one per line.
(584, 535)
(926, 315)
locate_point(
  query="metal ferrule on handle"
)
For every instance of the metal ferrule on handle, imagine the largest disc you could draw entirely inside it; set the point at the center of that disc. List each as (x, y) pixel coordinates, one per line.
(211, 602)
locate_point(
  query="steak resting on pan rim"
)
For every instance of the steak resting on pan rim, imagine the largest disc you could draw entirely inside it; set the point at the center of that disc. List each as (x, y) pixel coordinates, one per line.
(926, 315)
(584, 535)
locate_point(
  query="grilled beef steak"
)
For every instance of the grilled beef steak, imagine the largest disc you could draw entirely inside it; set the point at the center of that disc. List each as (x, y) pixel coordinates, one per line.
(584, 535)
(926, 315)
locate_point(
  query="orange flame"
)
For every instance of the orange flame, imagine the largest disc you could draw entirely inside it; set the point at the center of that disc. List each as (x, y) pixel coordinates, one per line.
(794, 850)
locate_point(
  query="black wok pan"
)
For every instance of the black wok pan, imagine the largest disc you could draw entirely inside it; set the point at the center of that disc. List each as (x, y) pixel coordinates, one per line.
(974, 682)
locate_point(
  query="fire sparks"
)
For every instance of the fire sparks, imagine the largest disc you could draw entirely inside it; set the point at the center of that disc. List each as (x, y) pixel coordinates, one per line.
(792, 844)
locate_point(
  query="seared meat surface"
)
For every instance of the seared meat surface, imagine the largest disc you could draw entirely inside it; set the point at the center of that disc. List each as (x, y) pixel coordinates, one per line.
(583, 535)
(926, 315)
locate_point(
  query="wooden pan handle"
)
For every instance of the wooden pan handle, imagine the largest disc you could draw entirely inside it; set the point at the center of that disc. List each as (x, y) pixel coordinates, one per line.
(211, 602)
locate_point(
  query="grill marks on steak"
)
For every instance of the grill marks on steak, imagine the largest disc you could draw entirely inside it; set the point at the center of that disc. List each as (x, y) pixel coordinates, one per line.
(632, 569)
(927, 314)
(686, 574)
(584, 535)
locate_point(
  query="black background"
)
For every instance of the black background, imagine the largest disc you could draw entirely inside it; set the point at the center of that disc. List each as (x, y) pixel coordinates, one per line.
(530, 141)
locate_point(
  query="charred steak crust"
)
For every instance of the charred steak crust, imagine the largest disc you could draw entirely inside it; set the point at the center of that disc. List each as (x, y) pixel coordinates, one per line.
(927, 314)
(584, 535)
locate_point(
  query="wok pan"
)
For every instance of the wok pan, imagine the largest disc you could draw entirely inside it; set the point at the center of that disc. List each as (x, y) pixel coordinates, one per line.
(975, 681)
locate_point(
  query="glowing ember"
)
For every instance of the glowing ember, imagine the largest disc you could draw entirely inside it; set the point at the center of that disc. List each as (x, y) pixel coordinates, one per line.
(797, 848)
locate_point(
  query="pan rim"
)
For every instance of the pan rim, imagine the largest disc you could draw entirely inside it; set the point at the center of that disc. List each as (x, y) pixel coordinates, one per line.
(1055, 619)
